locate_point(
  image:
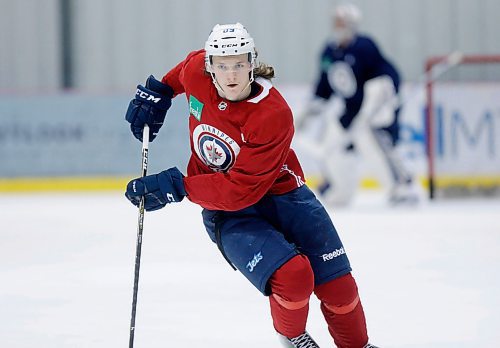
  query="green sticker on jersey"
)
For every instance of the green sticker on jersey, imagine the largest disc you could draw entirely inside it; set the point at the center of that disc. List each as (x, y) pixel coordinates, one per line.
(195, 107)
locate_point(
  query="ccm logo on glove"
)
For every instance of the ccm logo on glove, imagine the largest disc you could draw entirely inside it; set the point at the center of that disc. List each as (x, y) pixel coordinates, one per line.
(146, 96)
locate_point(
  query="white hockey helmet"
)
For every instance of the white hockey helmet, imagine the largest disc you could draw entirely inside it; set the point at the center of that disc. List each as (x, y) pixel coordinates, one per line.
(349, 14)
(229, 40)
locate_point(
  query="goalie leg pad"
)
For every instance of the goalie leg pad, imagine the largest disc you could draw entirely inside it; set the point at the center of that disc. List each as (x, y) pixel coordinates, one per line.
(386, 141)
(341, 171)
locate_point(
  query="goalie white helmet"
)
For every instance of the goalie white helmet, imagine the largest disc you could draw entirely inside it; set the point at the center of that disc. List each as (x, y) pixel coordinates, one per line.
(349, 14)
(228, 40)
(346, 19)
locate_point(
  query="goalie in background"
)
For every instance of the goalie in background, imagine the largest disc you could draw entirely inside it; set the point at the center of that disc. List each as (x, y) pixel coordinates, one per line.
(366, 84)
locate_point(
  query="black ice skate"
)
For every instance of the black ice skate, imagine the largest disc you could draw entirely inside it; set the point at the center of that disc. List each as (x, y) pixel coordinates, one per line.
(368, 345)
(302, 341)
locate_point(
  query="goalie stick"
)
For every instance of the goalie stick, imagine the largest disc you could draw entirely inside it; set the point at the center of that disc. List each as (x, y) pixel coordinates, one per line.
(140, 224)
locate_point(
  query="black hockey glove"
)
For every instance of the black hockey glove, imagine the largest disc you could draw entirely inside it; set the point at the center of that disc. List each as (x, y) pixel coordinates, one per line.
(158, 189)
(150, 107)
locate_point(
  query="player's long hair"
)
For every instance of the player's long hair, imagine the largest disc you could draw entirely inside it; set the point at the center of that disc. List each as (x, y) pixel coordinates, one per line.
(262, 69)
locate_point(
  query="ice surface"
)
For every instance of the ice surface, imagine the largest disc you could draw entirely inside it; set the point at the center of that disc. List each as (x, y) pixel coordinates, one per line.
(428, 276)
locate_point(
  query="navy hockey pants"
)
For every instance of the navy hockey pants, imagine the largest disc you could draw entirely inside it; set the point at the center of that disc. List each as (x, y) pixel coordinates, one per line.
(259, 239)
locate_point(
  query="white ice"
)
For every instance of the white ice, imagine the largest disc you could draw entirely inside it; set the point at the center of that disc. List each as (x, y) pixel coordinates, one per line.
(428, 276)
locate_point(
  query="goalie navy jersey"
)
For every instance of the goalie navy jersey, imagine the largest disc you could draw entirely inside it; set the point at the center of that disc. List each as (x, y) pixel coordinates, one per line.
(240, 151)
(345, 70)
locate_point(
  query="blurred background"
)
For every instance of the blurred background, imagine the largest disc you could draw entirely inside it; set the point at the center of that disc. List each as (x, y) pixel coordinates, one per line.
(68, 69)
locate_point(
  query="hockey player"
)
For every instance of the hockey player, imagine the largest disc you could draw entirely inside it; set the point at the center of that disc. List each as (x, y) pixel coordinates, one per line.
(350, 65)
(257, 209)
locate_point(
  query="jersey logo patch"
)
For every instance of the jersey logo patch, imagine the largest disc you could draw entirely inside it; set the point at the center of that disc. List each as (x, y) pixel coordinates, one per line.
(215, 148)
(195, 107)
(342, 79)
(222, 106)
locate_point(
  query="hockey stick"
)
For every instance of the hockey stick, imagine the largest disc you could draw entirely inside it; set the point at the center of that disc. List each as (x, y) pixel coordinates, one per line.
(145, 147)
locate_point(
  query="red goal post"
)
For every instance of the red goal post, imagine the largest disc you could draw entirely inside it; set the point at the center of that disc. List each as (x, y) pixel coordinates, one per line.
(433, 178)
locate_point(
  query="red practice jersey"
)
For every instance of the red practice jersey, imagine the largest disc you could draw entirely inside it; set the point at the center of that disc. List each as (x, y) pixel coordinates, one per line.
(240, 151)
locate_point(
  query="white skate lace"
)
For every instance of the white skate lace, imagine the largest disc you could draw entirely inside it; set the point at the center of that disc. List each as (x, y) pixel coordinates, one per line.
(304, 341)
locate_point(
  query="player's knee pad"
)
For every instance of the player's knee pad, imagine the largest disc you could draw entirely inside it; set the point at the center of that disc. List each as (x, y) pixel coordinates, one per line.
(293, 283)
(340, 295)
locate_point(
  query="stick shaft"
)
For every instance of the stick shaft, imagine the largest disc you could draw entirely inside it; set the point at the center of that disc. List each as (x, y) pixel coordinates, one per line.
(140, 225)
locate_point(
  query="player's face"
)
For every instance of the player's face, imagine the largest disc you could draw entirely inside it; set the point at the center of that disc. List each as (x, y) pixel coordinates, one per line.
(232, 75)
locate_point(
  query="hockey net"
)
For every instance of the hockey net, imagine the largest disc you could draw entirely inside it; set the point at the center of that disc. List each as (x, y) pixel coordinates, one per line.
(463, 127)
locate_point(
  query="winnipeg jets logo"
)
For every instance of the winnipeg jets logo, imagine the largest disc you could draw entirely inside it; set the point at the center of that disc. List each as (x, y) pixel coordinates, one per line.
(215, 148)
(342, 79)
(212, 153)
(222, 106)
